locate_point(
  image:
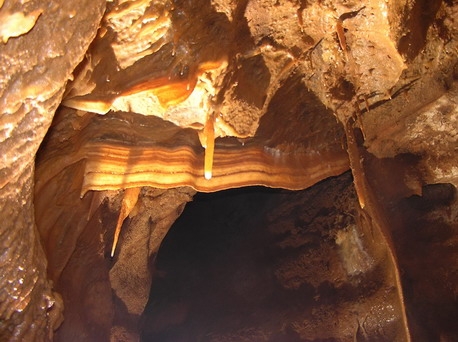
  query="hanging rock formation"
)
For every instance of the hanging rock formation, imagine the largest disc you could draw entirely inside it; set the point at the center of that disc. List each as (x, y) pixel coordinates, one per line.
(160, 99)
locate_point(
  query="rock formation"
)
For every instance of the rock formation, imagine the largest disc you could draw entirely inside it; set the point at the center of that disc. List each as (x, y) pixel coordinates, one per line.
(153, 101)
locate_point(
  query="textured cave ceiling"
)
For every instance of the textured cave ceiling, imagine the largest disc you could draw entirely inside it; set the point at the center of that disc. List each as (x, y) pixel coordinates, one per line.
(344, 111)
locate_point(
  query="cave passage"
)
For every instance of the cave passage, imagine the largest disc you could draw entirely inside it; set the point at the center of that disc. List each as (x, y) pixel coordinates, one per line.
(259, 264)
(213, 269)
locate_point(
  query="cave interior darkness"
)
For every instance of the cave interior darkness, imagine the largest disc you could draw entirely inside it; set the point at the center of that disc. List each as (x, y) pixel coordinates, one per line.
(255, 262)
(219, 171)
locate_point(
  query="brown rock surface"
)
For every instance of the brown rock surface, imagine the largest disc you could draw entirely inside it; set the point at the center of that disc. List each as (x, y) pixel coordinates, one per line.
(105, 297)
(268, 265)
(259, 92)
(41, 45)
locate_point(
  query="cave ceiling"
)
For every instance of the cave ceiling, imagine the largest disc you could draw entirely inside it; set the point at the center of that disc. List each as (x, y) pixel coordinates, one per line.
(157, 100)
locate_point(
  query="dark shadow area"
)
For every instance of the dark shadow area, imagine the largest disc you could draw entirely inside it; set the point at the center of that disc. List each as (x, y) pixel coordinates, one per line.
(427, 228)
(210, 266)
(418, 19)
(259, 264)
(423, 221)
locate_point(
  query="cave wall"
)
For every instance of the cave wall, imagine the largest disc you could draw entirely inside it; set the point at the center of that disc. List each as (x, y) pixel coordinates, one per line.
(41, 44)
(209, 96)
(105, 295)
(269, 265)
(272, 265)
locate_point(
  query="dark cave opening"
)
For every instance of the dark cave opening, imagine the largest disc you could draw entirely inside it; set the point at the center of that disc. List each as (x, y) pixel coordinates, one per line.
(268, 264)
(211, 265)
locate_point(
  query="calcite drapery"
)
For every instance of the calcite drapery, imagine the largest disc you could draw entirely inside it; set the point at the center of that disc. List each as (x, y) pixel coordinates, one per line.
(126, 150)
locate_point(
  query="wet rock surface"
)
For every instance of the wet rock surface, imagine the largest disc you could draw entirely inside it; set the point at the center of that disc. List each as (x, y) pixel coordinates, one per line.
(216, 95)
(42, 43)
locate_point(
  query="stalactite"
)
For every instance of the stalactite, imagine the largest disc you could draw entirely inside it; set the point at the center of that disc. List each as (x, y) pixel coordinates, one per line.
(128, 203)
(209, 133)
